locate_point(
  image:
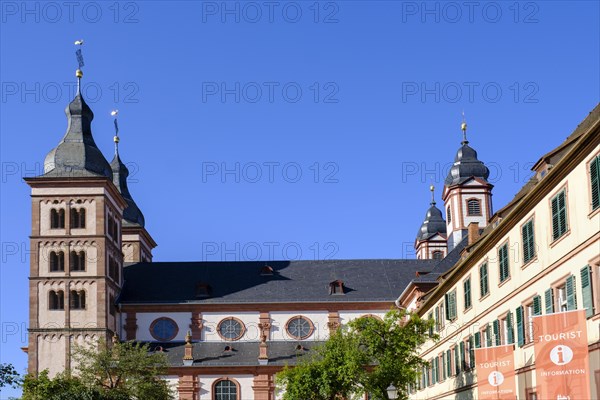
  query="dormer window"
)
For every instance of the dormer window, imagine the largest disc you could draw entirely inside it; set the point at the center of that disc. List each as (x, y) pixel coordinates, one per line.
(203, 291)
(266, 271)
(336, 287)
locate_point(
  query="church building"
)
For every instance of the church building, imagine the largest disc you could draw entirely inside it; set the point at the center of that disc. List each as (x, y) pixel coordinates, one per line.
(228, 327)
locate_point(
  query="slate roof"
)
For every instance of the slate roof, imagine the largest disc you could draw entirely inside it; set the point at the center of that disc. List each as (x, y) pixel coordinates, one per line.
(466, 166)
(445, 264)
(213, 354)
(292, 281)
(77, 154)
(132, 215)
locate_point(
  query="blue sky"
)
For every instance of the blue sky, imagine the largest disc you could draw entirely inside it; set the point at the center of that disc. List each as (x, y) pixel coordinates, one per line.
(257, 130)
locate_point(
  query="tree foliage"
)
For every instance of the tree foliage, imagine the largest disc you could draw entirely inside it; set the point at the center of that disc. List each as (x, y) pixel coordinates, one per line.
(367, 356)
(122, 371)
(8, 375)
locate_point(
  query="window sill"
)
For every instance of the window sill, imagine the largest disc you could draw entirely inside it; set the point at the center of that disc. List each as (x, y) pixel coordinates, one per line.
(528, 263)
(466, 310)
(504, 282)
(593, 213)
(485, 296)
(564, 235)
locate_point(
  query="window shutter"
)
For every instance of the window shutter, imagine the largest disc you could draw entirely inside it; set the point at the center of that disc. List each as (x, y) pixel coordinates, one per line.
(537, 305)
(510, 330)
(586, 288)
(462, 355)
(549, 299)
(447, 303)
(430, 317)
(520, 326)
(467, 290)
(449, 363)
(503, 263)
(528, 241)
(497, 332)
(571, 296)
(595, 178)
(443, 367)
(478, 339)
(482, 277)
(472, 351)
(555, 223)
(488, 334)
(457, 360)
(452, 305)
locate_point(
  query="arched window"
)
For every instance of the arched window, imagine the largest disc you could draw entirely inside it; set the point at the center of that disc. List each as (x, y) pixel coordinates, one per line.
(56, 300)
(437, 255)
(226, 390)
(77, 261)
(449, 214)
(473, 207)
(77, 218)
(78, 299)
(57, 261)
(57, 219)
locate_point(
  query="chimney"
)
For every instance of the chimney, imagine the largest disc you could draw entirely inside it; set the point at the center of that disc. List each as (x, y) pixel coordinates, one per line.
(473, 230)
(188, 358)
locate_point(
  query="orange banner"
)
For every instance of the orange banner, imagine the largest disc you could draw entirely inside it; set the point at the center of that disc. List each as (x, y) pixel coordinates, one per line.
(495, 373)
(561, 356)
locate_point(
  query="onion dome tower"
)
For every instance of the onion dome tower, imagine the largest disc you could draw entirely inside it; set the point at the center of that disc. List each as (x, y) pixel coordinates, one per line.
(467, 193)
(431, 238)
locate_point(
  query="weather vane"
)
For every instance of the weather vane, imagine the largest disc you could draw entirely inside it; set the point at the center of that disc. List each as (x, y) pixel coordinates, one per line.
(114, 113)
(432, 189)
(79, 55)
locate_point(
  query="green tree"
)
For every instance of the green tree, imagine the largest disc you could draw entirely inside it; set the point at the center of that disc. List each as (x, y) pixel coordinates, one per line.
(367, 356)
(121, 371)
(8, 375)
(127, 368)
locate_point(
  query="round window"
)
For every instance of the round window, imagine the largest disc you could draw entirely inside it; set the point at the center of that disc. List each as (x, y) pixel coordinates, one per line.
(299, 328)
(164, 329)
(231, 329)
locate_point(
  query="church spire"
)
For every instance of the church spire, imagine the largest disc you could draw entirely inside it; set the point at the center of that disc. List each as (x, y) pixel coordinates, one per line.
(431, 237)
(77, 153)
(132, 213)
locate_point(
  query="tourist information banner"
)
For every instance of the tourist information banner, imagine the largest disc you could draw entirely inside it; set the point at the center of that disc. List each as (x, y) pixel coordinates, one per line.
(496, 372)
(561, 356)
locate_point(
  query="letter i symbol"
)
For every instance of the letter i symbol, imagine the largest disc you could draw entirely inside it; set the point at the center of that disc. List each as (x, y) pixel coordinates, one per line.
(495, 379)
(559, 353)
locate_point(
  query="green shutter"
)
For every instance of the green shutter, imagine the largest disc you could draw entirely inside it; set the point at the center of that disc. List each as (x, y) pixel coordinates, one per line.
(456, 360)
(483, 279)
(571, 296)
(537, 305)
(497, 332)
(595, 182)
(488, 334)
(520, 326)
(559, 215)
(430, 317)
(462, 356)
(528, 241)
(549, 300)
(510, 330)
(503, 263)
(471, 352)
(467, 290)
(444, 370)
(452, 305)
(447, 303)
(449, 363)
(478, 340)
(586, 288)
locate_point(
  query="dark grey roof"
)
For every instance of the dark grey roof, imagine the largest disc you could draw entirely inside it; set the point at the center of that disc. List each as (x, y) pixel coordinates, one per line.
(212, 354)
(466, 166)
(445, 264)
(291, 281)
(433, 224)
(77, 153)
(132, 214)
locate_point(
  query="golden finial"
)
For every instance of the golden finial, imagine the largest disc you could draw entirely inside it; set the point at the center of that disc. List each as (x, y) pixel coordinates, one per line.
(79, 74)
(463, 128)
(188, 337)
(116, 139)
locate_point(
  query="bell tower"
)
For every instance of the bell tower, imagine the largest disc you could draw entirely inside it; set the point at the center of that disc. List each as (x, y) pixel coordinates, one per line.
(431, 238)
(76, 263)
(467, 194)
